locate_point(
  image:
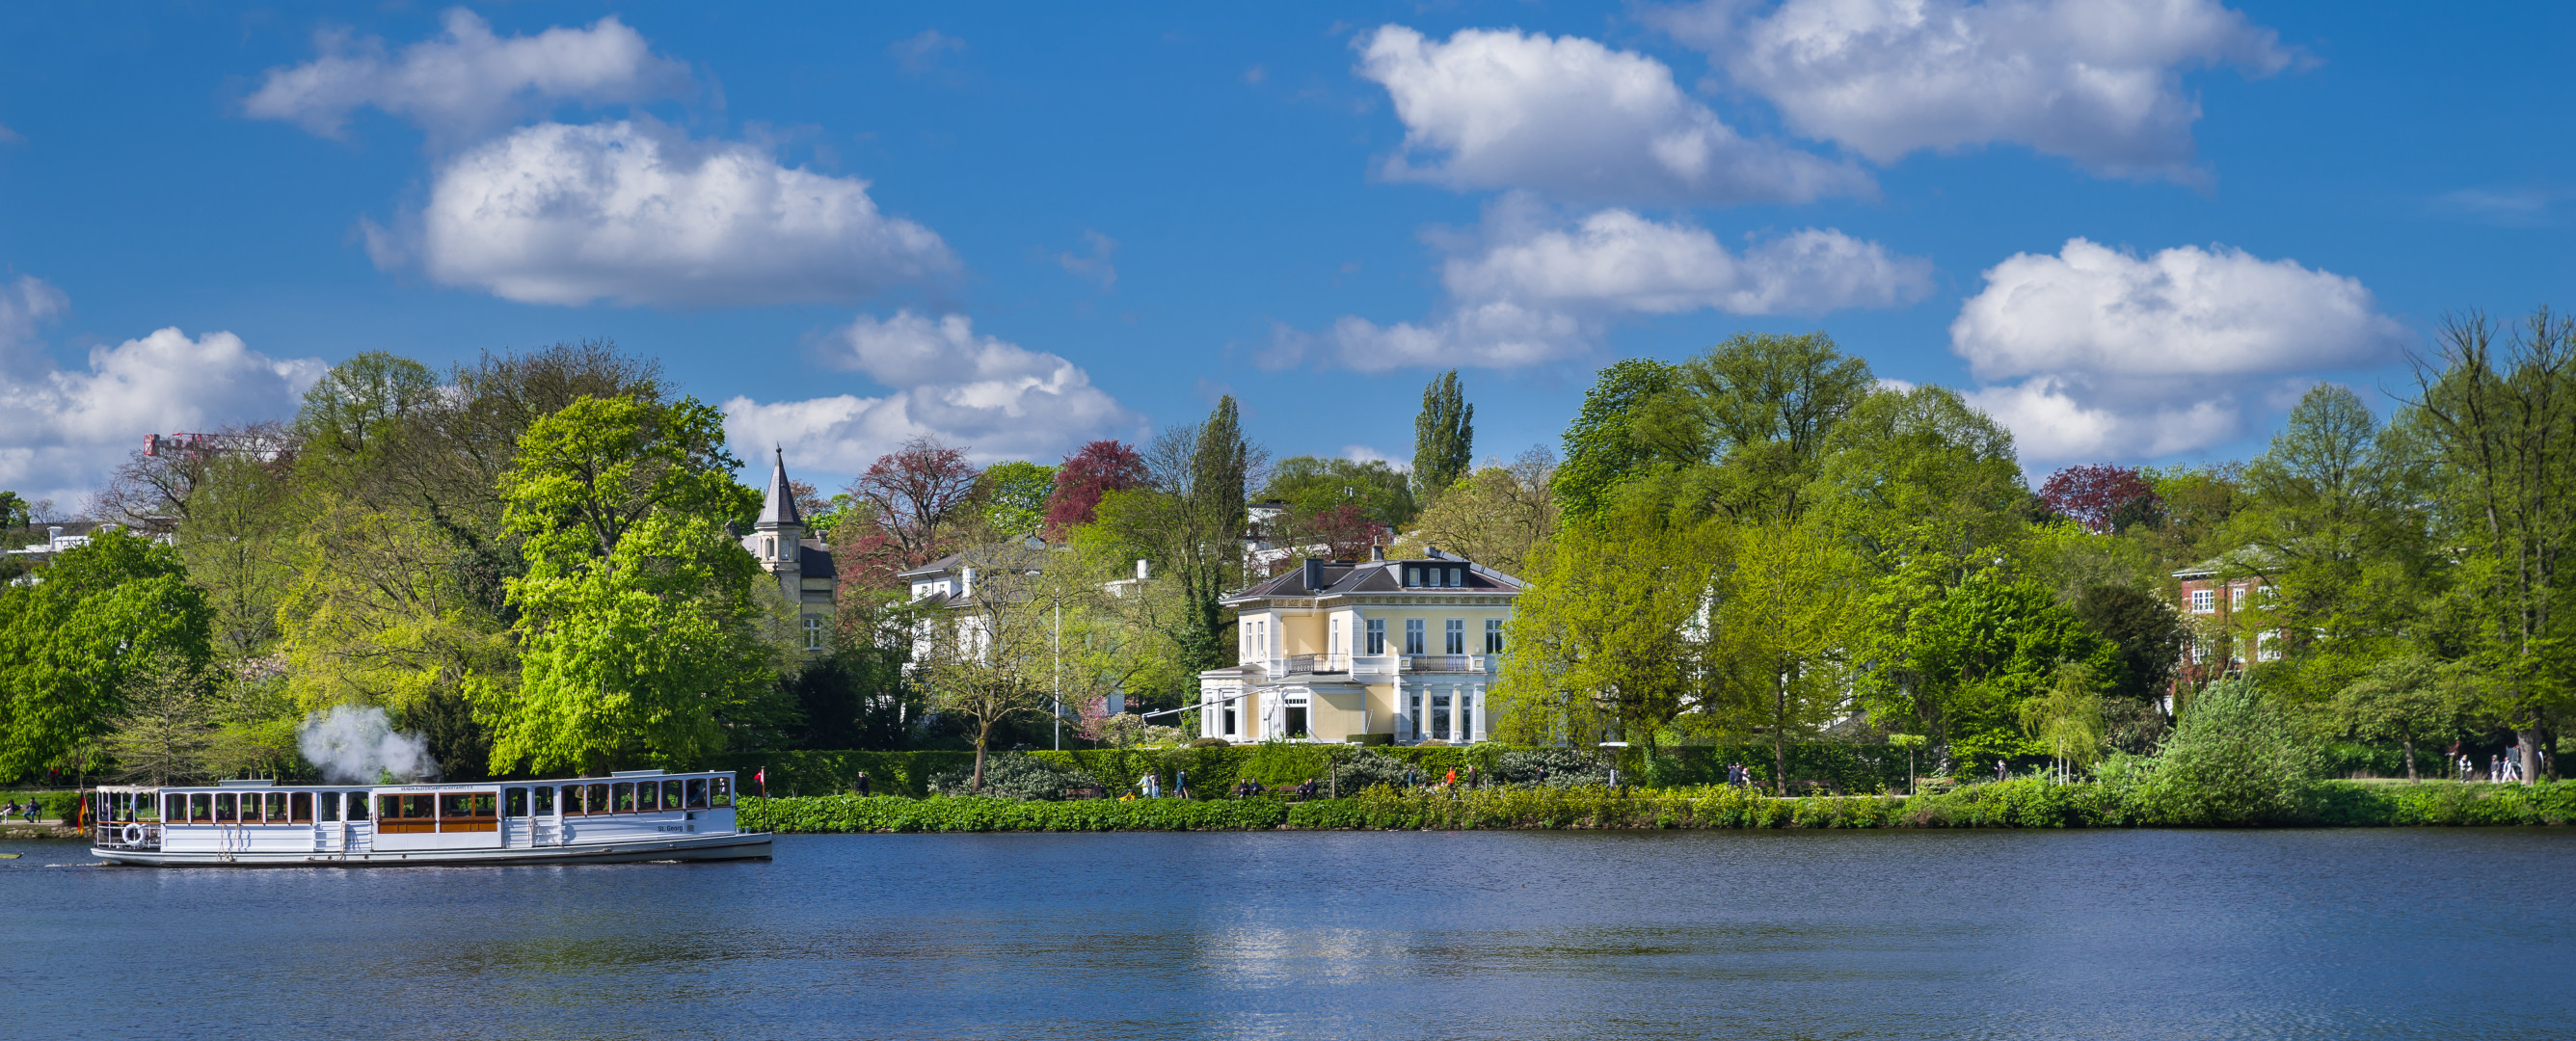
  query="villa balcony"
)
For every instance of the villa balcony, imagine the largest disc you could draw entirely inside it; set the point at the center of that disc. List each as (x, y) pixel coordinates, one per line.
(1376, 667)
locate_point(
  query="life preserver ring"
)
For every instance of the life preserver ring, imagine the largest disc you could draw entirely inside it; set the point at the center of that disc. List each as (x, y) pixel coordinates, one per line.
(134, 834)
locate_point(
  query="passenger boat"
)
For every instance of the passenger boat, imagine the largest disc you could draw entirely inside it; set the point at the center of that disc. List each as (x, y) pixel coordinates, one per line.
(630, 815)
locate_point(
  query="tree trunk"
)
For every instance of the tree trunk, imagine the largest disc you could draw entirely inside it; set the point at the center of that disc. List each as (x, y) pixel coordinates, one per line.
(1780, 737)
(2410, 759)
(975, 785)
(2531, 754)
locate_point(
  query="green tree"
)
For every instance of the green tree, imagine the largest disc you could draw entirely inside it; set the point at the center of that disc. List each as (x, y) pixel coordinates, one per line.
(2066, 719)
(1444, 437)
(1190, 524)
(1608, 634)
(1312, 486)
(1781, 626)
(69, 643)
(1500, 516)
(1970, 659)
(14, 511)
(990, 657)
(2410, 700)
(1750, 420)
(1602, 448)
(2500, 429)
(638, 623)
(167, 729)
(362, 405)
(1014, 495)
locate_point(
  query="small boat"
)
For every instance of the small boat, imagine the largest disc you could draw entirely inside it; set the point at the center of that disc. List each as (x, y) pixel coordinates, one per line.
(628, 816)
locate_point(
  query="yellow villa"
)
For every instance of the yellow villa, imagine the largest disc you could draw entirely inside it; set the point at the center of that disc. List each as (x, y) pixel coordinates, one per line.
(1334, 650)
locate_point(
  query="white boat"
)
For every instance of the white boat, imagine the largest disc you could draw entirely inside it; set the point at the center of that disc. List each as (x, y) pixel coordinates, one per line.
(630, 815)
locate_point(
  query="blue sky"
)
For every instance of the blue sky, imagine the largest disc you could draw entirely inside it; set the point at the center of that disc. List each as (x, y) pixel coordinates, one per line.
(2132, 230)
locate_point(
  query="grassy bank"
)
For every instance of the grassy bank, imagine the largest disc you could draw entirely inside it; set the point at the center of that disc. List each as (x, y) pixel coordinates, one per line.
(2011, 804)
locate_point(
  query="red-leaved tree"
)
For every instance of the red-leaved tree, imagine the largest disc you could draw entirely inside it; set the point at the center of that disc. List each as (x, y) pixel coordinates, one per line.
(915, 498)
(1095, 470)
(2099, 496)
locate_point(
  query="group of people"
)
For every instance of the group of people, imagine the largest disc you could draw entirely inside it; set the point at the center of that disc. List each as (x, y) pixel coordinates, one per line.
(14, 810)
(2505, 768)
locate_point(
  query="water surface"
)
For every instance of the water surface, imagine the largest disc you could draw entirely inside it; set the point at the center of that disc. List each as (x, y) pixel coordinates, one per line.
(2416, 933)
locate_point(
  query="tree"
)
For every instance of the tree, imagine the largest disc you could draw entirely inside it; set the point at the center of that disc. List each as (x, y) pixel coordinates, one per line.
(1781, 625)
(1969, 660)
(2100, 496)
(2411, 700)
(1094, 470)
(1500, 516)
(638, 622)
(1608, 633)
(1015, 495)
(988, 658)
(1311, 486)
(1444, 437)
(2236, 757)
(166, 730)
(2499, 426)
(2066, 719)
(69, 643)
(916, 501)
(14, 511)
(1601, 446)
(361, 405)
(1747, 422)
(2150, 635)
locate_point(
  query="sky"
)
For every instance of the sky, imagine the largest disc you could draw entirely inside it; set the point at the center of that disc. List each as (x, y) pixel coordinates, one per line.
(2131, 230)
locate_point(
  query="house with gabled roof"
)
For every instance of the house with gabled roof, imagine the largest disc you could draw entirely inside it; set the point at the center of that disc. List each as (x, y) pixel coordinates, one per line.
(1400, 651)
(802, 566)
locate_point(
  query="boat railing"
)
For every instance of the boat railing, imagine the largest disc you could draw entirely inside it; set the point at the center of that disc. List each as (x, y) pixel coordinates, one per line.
(143, 835)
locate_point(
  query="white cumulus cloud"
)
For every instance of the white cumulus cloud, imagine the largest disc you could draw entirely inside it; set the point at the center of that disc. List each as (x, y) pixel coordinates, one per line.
(636, 214)
(1499, 108)
(2095, 81)
(466, 81)
(945, 381)
(1538, 289)
(69, 427)
(2117, 355)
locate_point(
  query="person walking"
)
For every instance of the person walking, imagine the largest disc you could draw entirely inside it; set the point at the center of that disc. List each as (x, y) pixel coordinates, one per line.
(863, 784)
(1181, 783)
(1411, 780)
(1452, 782)
(1542, 775)
(1999, 769)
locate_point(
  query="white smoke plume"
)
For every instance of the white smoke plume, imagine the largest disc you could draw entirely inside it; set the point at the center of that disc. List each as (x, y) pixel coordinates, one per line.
(354, 745)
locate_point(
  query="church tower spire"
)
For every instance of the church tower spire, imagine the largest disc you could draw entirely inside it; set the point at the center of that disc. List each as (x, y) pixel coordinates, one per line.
(779, 509)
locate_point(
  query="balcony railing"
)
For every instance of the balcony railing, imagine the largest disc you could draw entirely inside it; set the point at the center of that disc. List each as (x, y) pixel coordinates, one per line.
(1310, 664)
(1447, 662)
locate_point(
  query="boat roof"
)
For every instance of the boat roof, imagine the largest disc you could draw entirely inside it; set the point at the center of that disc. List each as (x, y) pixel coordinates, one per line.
(268, 785)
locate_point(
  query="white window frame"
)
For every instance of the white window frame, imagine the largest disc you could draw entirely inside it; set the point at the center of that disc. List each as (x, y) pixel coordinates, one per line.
(1453, 636)
(1416, 636)
(813, 632)
(1376, 636)
(1493, 636)
(2204, 601)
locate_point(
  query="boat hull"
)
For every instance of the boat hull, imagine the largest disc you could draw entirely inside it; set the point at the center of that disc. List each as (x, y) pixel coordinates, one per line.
(753, 846)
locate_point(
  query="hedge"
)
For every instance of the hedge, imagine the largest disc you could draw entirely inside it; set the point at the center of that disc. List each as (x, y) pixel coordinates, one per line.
(1213, 772)
(2021, 803)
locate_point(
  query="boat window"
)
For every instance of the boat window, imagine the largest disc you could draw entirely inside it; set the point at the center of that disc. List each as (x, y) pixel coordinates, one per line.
(224, 811)
(466, 804)
(517, 803)
(329, 805)
(597, 800)
(277, 808)
(388, 807)
(670, 795)
(178, 809)
(648, 796)
(723, 788)
(300, 808)
(357, 806)
(697, 793)
(621, 797)
(545, 802)
(572, 801)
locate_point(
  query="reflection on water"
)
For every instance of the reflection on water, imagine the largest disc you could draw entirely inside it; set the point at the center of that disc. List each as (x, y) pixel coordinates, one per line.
(2155, 934)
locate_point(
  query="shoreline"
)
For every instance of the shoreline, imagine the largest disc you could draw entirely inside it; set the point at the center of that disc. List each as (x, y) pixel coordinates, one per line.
(2008, 804)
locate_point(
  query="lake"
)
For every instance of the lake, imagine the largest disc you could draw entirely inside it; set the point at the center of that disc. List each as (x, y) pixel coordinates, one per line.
(2407, 933)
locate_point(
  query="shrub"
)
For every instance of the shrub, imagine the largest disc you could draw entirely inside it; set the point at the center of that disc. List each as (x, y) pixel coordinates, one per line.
(1566, 767)
(1013, 775)
(2235, 758)
(1210, 742)
(1363, 768)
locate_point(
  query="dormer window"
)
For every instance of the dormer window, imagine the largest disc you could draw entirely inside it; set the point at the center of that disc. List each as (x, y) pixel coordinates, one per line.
(1413, 576)
(1457, 576)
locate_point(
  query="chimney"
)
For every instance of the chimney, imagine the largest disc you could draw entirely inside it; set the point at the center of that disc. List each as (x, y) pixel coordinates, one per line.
(1377, 551)
(1314, 575)
(966, 582)
(1140, 569)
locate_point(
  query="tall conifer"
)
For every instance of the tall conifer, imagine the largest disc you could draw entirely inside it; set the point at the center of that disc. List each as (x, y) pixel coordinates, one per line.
(1444, 437)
